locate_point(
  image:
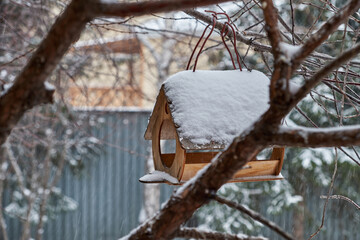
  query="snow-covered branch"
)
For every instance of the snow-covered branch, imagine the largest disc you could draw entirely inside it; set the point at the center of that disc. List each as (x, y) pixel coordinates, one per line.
(317, 137)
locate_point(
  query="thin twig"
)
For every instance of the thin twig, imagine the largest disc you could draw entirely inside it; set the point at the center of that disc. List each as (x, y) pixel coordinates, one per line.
(340, 197)
(328, 196)
(255, 215)
(186, 232)
(292, 22)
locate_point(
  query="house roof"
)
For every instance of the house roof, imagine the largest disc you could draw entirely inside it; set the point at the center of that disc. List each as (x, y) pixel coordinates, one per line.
(210, 108)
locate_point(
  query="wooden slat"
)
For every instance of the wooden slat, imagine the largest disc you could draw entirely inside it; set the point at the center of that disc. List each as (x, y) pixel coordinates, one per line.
(258, 168)
(278, 154)
(199, 157)
(252, 169)
(258, 178)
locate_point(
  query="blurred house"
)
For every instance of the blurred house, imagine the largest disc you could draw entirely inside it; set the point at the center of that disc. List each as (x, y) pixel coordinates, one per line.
(120, 83)
(128, 69)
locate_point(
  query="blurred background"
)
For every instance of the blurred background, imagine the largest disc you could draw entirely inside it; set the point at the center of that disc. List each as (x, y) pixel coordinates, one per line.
(70, 170)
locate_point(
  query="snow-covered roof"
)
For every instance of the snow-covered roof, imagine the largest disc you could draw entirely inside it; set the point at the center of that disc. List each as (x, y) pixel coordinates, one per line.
(210, 108)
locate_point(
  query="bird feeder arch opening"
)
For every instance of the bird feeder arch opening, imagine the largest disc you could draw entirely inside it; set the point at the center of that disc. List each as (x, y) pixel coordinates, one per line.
(169, 163)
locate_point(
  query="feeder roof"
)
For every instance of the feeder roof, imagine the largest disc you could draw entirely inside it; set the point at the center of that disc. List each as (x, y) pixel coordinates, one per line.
(210, 108)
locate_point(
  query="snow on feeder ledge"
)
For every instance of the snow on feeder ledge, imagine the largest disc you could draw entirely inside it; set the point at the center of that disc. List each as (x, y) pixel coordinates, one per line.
(203, 111)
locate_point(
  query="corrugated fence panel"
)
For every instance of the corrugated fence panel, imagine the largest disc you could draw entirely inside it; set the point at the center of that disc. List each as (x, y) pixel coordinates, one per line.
(110, 196)
(108, 191)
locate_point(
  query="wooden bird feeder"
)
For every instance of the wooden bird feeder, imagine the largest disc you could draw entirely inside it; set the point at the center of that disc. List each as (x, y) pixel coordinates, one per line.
(203, 111)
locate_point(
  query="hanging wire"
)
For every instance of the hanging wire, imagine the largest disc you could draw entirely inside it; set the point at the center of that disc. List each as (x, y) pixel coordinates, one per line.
(224, 32)
(197, 44)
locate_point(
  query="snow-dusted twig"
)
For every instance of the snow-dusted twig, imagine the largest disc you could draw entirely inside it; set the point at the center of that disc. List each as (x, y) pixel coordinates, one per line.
(254, 215)
(340, 197)
(186, 232)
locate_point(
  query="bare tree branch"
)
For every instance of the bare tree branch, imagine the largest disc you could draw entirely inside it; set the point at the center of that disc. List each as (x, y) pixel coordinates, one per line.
(196, 192)
(239, 37)
(29, 89)
(327, 200)
(272, 29)
(210, 235)
(256, 45)
(282, 67)
(323, 33)
(254, 215)
(317, 77)
(146, 7)
(341, 198)
(25, 94)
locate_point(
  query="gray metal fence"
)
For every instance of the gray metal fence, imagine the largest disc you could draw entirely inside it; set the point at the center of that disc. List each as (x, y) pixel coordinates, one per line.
(110, 195)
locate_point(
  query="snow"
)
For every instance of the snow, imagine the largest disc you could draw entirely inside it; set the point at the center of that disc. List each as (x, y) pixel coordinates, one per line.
(6, 88)
(213, 107)
(293, 87)
(278, 177)
(289, 50)
(158, 176)
(49, 86)
(27, 192)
